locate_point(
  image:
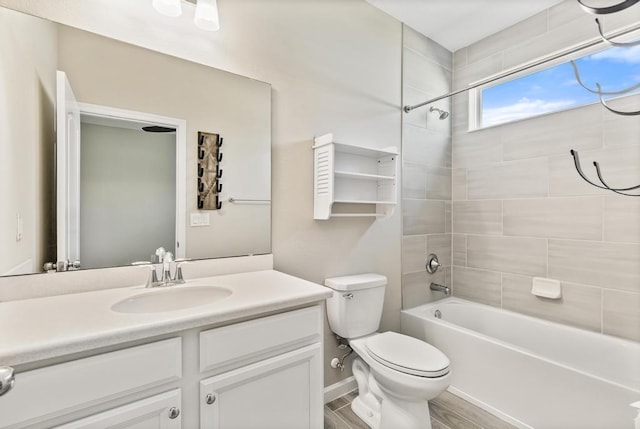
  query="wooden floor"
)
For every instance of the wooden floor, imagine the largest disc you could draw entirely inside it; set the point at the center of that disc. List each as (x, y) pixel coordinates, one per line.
(447, 412)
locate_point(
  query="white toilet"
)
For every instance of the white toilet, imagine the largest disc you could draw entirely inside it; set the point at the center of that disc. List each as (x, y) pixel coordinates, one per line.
(396, 374)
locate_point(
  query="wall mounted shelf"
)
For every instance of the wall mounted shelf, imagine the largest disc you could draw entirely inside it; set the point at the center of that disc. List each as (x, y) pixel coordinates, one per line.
(353, 181)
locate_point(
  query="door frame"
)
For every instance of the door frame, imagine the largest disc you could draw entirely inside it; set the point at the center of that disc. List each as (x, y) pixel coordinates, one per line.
(180, 125)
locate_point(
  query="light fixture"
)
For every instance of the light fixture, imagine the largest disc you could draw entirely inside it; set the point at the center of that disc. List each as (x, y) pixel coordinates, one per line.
(206, 15)
(171, 8)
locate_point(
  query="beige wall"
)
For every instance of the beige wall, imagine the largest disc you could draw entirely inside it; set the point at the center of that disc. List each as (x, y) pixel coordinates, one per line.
(520, 209)
(334, 66)
(426, 163)
(27, 85)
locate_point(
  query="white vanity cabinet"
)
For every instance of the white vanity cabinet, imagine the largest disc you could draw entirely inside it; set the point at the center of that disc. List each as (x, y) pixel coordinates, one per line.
(262, 373)
(278, 393)
(280, 388)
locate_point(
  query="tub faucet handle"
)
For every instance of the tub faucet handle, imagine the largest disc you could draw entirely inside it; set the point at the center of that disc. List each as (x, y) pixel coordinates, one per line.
(432, 264)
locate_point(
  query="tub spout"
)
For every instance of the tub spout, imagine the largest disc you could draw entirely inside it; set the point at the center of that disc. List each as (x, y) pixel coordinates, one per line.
(440, 288)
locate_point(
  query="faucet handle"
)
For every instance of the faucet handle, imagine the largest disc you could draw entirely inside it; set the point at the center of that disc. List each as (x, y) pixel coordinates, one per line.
(152, 280)
(179, 263)
(432, 264)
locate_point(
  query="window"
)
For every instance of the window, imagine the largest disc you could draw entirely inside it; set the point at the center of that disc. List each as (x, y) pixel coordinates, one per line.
(556, 88)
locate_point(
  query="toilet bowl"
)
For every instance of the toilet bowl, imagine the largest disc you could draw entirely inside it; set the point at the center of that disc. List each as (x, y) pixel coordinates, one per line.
(393, 393)
(396, 374)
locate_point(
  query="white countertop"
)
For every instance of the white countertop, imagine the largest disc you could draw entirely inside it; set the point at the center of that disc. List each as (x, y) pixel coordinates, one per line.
(43, 328)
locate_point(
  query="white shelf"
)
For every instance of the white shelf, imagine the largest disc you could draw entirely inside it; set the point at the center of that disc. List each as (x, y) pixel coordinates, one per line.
(363, 202)
(358, 215)
(349, 174)
(361, 176)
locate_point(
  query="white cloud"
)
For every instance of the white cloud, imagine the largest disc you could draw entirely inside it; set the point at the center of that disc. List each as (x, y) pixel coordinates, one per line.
(629, 55)
(523, 108)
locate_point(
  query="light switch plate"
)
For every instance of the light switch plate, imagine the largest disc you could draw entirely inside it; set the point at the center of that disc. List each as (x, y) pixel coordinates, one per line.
(199, 219)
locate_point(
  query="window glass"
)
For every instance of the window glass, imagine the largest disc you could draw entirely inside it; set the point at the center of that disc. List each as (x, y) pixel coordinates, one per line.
(556, 88)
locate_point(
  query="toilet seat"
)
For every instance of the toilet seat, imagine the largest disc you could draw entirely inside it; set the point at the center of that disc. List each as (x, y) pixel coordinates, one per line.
(407, 354)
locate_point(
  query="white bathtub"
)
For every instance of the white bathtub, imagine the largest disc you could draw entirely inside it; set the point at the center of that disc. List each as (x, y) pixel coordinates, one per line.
(530, 372)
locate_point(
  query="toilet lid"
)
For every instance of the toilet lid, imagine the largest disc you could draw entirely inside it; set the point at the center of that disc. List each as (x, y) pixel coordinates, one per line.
(407, 354)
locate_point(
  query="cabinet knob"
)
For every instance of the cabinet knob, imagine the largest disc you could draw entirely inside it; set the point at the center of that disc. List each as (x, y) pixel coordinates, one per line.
(6, 379)
(211, 398)
(174, 412)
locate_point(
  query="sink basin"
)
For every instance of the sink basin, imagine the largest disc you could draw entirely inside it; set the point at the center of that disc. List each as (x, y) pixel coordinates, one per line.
(171, 299)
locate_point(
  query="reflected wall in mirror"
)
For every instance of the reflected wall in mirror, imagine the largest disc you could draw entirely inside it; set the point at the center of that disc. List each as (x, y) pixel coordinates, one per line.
(115, 75)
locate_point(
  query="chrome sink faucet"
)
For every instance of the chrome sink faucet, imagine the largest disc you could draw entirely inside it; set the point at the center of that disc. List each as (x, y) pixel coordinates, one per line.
(166, 278)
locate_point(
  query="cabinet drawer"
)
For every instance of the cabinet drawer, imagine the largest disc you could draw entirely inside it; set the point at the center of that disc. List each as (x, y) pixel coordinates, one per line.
(59, 389)
(239, 344)
(153, 412)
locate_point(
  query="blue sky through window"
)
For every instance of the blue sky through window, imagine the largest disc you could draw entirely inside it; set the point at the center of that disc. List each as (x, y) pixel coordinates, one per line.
(556, 88)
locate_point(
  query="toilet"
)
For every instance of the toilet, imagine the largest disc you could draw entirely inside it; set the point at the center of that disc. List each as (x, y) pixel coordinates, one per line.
(396, 374)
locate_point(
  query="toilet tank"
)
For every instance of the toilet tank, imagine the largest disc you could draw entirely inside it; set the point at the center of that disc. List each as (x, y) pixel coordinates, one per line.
(355, 308)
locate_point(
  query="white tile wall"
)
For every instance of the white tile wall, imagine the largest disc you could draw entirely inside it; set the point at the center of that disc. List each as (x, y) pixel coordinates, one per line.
(520, 209)
(610, 265)
(579, 306)
(577, 218)
(621, 219)
(426, 154)
(620, 314)
(517, 255)
(477, 217)
(477, 285)
(423, 217)
(513, 179)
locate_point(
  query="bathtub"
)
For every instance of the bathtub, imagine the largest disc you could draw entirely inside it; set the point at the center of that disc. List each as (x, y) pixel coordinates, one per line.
(530, 372)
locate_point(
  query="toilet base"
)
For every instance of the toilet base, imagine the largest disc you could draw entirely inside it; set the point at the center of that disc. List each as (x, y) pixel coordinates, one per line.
(394, 415)
(380, 409)
(367, 413)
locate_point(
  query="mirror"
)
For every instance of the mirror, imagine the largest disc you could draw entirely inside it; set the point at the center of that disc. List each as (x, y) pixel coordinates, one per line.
(109, 76)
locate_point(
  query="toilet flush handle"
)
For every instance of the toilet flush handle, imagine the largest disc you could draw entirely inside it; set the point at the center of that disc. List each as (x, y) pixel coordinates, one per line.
(348, 296)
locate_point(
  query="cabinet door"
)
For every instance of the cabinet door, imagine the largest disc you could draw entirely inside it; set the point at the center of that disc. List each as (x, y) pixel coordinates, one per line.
(157, 412)
(283, 392)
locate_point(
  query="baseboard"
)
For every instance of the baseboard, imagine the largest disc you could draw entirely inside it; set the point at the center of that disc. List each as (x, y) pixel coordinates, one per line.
(507, 418)
(339, 389)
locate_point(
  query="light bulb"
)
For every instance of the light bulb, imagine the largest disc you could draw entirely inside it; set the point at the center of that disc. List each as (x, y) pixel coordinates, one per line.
(168, 7)
(206, 17)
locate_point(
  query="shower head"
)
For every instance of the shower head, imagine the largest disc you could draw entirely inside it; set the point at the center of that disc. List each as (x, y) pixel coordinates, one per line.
(443, 113)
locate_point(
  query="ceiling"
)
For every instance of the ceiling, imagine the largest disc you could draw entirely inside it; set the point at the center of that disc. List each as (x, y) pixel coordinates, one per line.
(458, 23)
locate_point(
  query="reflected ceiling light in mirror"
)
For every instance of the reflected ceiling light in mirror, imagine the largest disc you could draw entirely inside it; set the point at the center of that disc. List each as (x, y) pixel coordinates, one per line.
(171, 8)
(207, 15)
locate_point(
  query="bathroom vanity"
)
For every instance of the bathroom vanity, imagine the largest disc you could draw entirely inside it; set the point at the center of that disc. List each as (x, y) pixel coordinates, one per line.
(246, 352)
